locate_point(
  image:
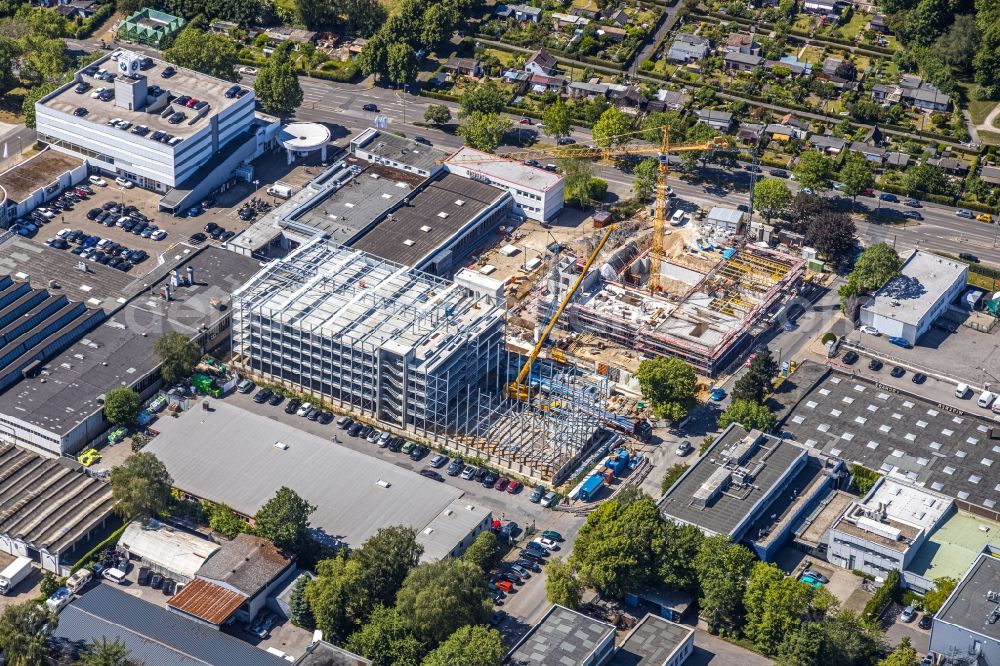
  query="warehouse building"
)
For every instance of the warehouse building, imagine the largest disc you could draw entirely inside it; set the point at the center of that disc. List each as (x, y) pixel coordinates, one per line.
(564, 636)
(373, 337)
(655, 641)
(111, 323)
(538, 193)
(250, 457)
(125, 131)
(907, 305)
(398, 152)
(38, 179)
(37, 489)
(751, 487)
(165, 550)
(966, 629)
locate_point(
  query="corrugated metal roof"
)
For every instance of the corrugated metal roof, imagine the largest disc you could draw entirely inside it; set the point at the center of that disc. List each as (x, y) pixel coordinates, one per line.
(173, 550)
(208, 601)
(152, 634)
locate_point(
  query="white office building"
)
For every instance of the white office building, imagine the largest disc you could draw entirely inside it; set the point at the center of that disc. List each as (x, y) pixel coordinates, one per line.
(538, 193)
(182, 135)
(907, 305)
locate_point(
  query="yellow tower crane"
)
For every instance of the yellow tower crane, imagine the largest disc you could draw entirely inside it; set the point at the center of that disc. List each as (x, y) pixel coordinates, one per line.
(661, 151)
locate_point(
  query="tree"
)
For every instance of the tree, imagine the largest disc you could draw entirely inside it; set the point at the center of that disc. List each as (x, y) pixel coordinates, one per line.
(669, 384)
(208, 53)
(857, 175)
(22, 639)
(30, 98)
(437, 114)
(140, 487)
(750, 415)
(577, 175)
(316, 14)
(903, 655)
(225, 521)
(102, 652)
(813, 170)
(677, 565)
(561, 584)
(374, 54)
(277, 87)
(929, 20)
(484, 131)
(644, 178)
(284, 521)
(469, 646)
(832, 233)
(43, 60)
(483, 551)
(617, 549)
(612, 128)
(437, 598)
(438, 21)
(877, 265)
(926, 178)
(771, 197)
(178, 356)
(654, 123)
(330, 593)
(775, 605)
(943, 587)
(383, 562)
(556, 119)
(386, 640)
(723, 568)
(755, 383)
(484, 98)
(298, 604)
(10, 51)
(958, 46)
(671, 475)
(401, 63)
(121, 406)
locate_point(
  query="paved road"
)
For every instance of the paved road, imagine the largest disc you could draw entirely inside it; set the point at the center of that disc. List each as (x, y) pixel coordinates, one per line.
(15, 139)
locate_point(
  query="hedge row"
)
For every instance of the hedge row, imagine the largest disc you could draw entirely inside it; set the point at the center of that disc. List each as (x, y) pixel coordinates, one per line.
(513, 110)
(883, 597)
(942, 199)
(87, 28)
(558, 53)
(93, 552)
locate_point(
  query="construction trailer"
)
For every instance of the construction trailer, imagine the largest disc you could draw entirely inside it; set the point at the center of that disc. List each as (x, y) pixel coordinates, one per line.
(709, 325)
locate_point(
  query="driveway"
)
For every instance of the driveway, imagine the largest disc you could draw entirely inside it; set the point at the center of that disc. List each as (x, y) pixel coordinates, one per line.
(709, 649)
(895, 630)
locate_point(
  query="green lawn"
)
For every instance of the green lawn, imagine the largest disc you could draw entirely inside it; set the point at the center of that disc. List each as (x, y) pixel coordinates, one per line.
(803, 23)
(992, 138)
(851, 29)
(978, 109)
(813, 54)
(10, 105)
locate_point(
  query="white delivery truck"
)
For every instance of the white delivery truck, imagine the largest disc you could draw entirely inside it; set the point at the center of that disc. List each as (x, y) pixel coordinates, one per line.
(15, 572)
(280, 190)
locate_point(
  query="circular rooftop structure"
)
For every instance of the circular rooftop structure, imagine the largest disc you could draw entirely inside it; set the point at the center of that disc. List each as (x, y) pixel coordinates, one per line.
(304, 137)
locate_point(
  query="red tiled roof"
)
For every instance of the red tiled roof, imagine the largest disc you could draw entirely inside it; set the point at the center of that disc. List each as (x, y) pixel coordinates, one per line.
(207, 601)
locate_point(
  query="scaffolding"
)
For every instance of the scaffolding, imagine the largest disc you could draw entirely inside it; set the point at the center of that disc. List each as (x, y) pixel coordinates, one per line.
(706, 326)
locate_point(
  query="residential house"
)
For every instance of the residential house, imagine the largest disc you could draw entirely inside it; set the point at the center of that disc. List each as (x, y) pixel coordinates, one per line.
(518, 79)
(741, 62)
(871, 153)
(828, 145)
(784, 133)
(591, 14)
(613, 33)
(588, 90)
(741, 42)
(540, 84)
(464, 67)
(670, 100)
(78, 9)
(618, 18)
(750, 132)
(541, 63)
(627, 97)
(522, 13)
(824, 7)
(829, 74)
(688, 48)
(223, 27)
(897, 159)
(914, 91)
(283, 34)
(877, 24)
(719, 120)
(990, 174)
(950, 165)
(795, 66)
(568, 20)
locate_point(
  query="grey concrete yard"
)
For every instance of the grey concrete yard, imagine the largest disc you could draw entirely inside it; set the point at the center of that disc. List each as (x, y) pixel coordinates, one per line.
(709, 649)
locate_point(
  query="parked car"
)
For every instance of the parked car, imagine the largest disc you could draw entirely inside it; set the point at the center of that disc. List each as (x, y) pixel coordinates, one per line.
(431, 474)
(275, 399)
(850, 358)
(439, 461)
(684, 448)
(455, 468)
(354, 430)
(918, 378)
(530, 565)
(901, 342)
(292, 406)
(370, 107)
(262, 396)
(418, 452)
(245, 386)
(502, 484)
(514, 487)
(897, 371)
(926, 620)
(908, 614)
(512, 577)
(888, 196)
(490, 480)
(875, 364)
(816, 575)
(520, 571)
(547, 544)
(373, 436)
(870, 330)
(912, 203)
(964, 212)
(497, 618)
(468, 472)
(536, 495)
(532, 555)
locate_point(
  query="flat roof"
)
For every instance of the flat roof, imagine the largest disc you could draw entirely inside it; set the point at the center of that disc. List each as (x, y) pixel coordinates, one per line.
(968, 607)
(153, 634)
(562, 636)
(244, 469)
(508, 171)
(36, 263)
(723, 511)
(429, 219)
(174, 550)
(725, 214)
(651, 642)
(34, 489)
(328, 654)
(952, 547)
(19, 181)
(399, 149)
(185, 82)
(120, 350)
(894, 514)
(939, 447)
(924, 278)
(449, 527)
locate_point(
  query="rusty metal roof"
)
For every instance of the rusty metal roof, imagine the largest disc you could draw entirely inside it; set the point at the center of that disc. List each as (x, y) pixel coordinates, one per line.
(207, 601)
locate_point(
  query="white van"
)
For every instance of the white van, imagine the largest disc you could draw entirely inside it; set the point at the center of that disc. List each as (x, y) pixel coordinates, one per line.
(677, 218)
(115, 576)
(961, 390)
(986, 399)
(280, 191)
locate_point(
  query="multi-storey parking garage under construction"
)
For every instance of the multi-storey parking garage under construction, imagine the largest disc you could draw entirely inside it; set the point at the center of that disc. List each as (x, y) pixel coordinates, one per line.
(411, 351)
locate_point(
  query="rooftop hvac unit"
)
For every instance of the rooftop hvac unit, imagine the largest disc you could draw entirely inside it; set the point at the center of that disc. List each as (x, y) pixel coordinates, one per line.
(883, 530)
